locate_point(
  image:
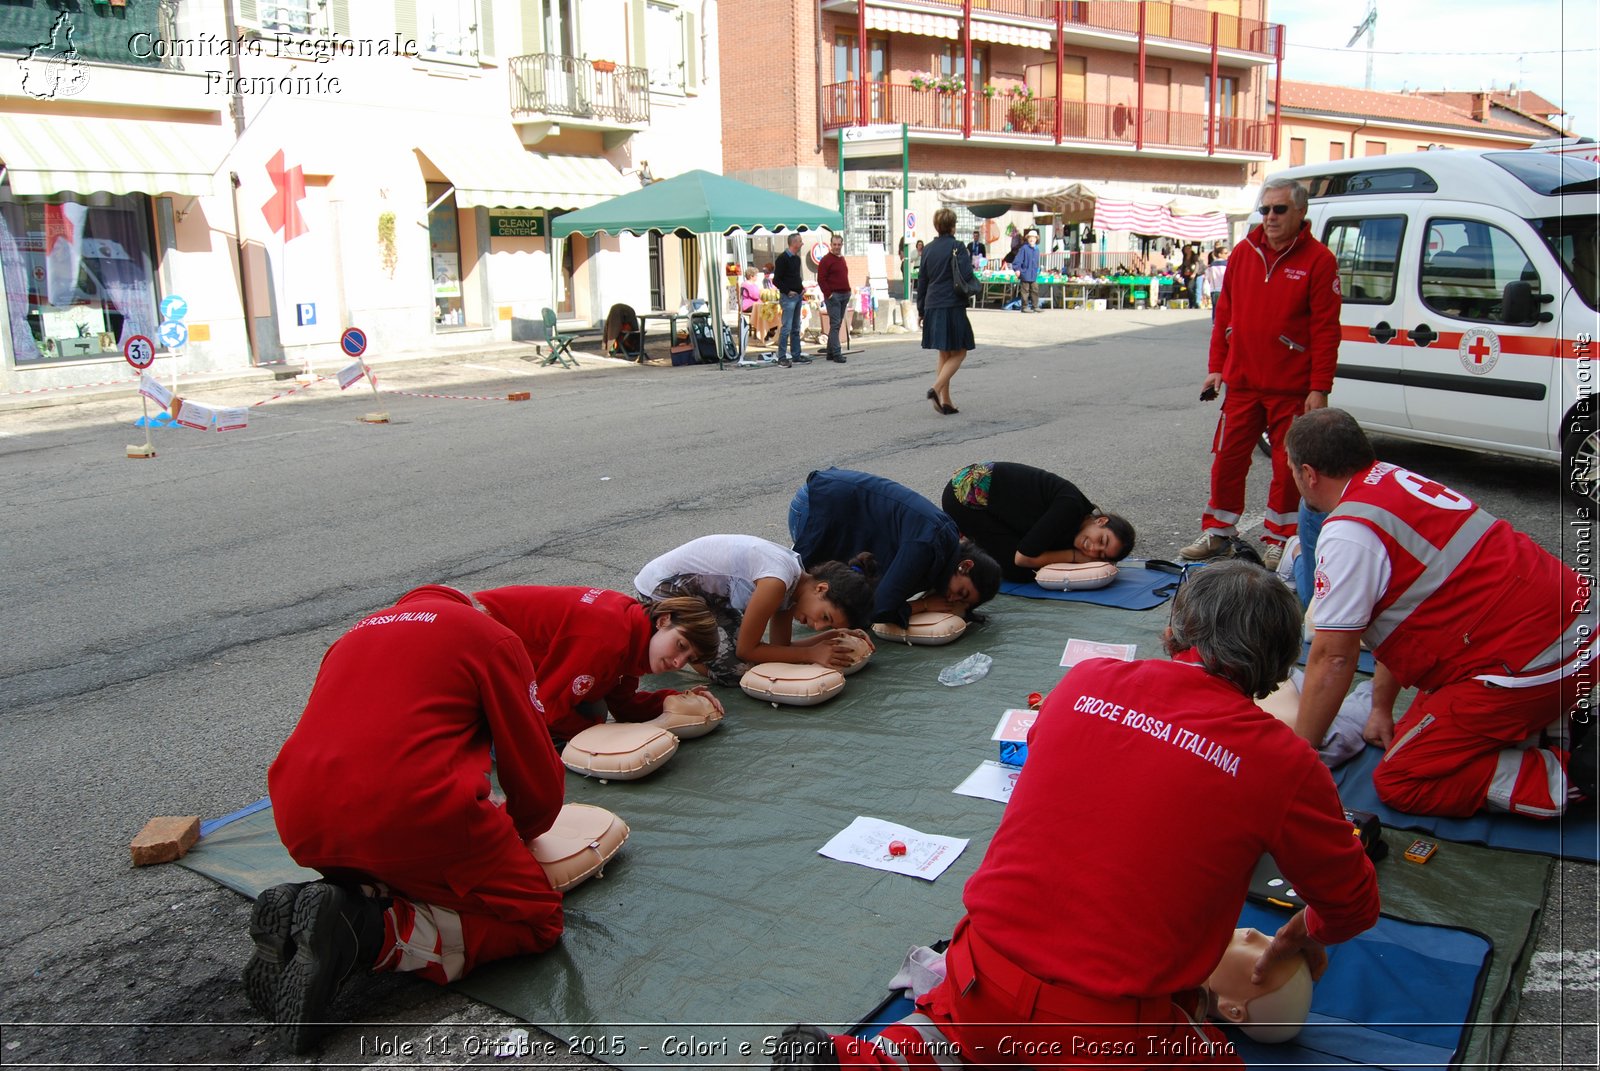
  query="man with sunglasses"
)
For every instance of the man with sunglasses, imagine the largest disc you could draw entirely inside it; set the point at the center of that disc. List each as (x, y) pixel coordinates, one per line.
(1274, 346)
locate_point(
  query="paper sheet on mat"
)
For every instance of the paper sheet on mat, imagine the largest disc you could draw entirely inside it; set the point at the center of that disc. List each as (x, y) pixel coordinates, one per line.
(990, 781)
(865, 842)
(1014, 726)
(1081, 650)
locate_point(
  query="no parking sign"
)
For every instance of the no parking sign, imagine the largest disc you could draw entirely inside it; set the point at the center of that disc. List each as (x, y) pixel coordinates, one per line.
(353, 341)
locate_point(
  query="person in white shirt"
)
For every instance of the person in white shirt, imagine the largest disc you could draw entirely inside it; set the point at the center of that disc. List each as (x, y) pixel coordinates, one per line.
(758, 591)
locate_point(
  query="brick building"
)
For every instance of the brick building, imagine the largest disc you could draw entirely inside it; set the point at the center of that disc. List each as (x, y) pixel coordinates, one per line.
(1113, 92)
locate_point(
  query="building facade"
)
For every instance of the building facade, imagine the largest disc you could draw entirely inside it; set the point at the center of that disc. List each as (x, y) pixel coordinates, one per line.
(1148, 97)
(292, 169)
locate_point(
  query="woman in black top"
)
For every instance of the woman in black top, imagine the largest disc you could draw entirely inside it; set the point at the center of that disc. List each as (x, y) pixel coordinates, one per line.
(1027, 518)
(943, 311)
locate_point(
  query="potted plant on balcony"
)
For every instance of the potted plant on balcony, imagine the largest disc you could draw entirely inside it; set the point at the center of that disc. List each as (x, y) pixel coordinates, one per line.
(921, 82)
(604, 66)
(951, 83)
(1021, 114)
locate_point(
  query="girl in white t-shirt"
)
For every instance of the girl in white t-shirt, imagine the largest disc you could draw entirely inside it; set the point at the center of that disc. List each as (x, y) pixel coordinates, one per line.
(758, 590)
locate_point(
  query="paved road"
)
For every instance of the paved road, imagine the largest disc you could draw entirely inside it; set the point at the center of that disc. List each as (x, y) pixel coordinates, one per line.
(165, 617)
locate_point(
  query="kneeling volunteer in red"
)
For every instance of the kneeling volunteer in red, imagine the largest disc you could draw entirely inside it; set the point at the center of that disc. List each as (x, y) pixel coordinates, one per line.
(590, 646)
(1113, 885)
(385, 782)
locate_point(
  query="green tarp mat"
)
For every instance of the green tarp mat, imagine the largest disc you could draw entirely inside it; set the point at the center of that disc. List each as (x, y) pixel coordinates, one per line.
(720, 913)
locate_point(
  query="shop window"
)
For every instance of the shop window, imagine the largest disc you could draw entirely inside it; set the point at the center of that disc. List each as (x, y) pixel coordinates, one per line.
(444, 248)
(866, 220)
(1368, 252)
(78, 279)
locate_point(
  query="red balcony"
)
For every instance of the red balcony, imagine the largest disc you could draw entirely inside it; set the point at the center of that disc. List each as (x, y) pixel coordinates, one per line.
(1006, 117)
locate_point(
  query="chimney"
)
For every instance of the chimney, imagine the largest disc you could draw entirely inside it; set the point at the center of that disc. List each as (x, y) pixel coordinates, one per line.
(1480, 107)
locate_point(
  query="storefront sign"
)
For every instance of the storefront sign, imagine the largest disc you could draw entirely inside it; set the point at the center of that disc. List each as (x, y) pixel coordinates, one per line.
(507, 224)
(918, 182)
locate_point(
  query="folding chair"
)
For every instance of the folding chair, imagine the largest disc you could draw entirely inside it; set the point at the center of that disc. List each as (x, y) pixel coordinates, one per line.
(560, 345)
(622, 332)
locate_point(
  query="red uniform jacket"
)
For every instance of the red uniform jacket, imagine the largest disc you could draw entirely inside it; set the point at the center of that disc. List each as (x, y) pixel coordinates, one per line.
(1277, 324)
(390, 761)
(1467, 594)
(833, 274)
(585, 643)
(1151, 790)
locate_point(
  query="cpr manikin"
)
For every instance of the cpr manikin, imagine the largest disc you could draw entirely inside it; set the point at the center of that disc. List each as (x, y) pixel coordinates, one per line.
(1271, 1012)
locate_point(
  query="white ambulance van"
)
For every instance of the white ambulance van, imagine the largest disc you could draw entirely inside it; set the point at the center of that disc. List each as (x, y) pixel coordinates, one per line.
(1470, 296)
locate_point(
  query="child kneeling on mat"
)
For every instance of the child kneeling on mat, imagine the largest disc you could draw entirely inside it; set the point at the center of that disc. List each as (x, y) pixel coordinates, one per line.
(758, 591)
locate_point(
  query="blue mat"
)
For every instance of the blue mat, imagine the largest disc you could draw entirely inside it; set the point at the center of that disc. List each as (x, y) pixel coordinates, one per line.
(1365, 663)
(1573, 836)
(1133, 589)
(1398, 996)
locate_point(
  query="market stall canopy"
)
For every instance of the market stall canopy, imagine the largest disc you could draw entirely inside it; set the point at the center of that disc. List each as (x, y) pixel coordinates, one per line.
(1106, 208)
(697, 202)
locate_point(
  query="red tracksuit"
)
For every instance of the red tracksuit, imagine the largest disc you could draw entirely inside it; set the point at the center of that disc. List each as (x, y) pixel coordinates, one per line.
(1275, 339)
(1115, 880)
(586, 644)
(386, 779)
(1488, 626)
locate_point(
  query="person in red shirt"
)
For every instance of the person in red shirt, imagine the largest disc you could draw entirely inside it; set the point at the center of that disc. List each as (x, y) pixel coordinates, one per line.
(590, 647)
(1174, 783)
(1494, 632)
(833, 279)
(384, 787)
(1274, 344)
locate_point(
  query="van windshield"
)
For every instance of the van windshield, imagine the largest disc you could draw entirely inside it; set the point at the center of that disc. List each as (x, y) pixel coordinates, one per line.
(1575, 240)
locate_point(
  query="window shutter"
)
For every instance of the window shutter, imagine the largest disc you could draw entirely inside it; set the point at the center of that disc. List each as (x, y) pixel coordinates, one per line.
(247, 14)
(636, 27)
(691, 53)
(532, 30)
(341, 17)
(405, 21)
(485, 29)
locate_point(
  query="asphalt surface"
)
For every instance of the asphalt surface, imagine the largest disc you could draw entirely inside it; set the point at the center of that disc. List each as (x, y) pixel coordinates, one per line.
(167, 615)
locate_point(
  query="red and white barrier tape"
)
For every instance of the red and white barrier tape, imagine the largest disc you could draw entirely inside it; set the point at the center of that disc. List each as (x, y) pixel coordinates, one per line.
(291, 390)
(75, 386)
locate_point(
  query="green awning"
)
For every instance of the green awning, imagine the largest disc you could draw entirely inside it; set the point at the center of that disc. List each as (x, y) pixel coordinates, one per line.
(697, 202)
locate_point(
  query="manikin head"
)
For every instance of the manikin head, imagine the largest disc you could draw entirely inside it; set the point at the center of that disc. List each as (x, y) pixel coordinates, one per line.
(1272, 1012)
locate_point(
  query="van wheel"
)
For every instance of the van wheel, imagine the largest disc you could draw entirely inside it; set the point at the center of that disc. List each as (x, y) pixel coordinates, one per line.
(1580, 466)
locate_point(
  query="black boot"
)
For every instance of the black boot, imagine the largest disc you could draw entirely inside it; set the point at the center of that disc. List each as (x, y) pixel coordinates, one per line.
(271, 919)
(335, 932)
(1581, 760)
(805, 1048)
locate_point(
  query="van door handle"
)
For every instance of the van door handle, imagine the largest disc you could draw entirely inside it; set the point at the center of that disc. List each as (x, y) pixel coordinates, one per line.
(1423, 335)
(1381, 332)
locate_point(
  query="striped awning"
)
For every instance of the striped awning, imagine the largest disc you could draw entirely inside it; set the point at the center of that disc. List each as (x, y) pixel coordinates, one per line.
(894, 20)
(45, 154)
(1002, 34)
(489, 168)
(1140, 218)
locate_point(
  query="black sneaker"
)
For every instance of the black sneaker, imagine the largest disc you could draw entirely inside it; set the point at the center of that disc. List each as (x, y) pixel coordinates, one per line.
(801, 358)
(270, 921)
(805, 1048)
(784, 362)
(1581, 768)
(335, 931)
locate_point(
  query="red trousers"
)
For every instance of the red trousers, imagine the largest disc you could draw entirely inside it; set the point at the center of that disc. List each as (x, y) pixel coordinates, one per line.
(1465, 748)
(990, 1014)
(443, 922)
(1245, 415)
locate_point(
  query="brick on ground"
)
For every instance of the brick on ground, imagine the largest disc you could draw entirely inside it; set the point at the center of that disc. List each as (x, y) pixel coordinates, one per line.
(164, 839)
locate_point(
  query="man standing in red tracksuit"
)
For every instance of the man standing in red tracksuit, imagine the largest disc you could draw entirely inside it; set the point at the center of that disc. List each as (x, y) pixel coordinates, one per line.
(385, 782)
(1274, 345)
(1115, 880)
(1494, 632)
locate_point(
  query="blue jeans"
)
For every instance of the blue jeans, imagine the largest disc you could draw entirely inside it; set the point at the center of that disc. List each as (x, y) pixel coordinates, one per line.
(838, 302)
(791, 326)
(1305, 566)
(799, 507)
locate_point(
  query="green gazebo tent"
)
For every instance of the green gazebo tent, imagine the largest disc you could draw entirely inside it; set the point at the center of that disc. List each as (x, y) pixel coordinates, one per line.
(703, 205)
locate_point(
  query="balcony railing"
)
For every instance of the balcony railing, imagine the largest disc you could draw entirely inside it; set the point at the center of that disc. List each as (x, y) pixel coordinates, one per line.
(550, 84)
(1035, 119)
(1162, 20)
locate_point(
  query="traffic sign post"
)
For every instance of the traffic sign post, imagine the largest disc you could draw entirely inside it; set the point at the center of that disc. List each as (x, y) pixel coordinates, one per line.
(354, 343)
(140, 352)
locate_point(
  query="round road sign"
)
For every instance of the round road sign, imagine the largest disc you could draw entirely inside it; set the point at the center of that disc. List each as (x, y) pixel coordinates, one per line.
(174, 307)
(140, 352)
(353, 341)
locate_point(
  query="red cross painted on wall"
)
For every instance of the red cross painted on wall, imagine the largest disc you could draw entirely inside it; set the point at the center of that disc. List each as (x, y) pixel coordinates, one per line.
(283, 207)
(1479, 349)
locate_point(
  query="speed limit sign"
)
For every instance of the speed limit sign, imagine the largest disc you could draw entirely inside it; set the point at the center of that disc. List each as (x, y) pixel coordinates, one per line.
(139, 351)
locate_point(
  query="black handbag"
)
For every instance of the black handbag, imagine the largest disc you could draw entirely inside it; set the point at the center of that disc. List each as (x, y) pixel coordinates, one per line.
(963, 288)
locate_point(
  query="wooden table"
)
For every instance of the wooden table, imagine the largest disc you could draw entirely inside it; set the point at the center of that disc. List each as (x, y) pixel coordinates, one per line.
(672, 319)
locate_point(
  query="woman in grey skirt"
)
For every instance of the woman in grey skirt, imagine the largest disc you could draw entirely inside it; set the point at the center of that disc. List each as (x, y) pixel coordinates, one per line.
(942, 310)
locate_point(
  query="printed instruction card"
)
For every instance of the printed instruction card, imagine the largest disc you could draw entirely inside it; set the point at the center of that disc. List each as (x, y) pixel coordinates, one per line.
(868, 842)
(1083, 650)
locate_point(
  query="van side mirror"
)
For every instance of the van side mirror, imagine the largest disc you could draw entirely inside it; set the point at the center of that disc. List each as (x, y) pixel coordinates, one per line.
(1520, 305)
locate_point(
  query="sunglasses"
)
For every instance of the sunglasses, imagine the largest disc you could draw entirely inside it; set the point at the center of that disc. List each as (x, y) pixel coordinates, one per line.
(1274, 210)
